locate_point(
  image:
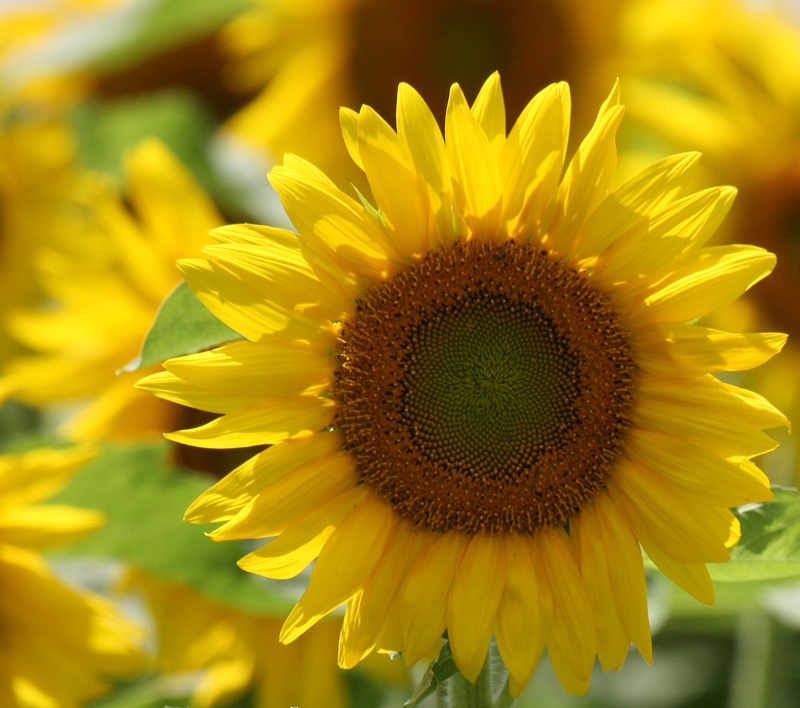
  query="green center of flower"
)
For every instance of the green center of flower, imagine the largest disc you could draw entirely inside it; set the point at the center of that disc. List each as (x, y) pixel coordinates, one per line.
(490, 381)
(484, 388)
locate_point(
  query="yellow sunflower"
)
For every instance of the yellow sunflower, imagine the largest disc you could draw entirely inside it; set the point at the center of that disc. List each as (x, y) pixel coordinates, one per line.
(483, 393)
(60, 645)
(239, 651)
(128, 256)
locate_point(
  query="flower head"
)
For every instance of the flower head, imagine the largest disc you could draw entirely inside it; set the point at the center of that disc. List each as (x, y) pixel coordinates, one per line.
(481, 392)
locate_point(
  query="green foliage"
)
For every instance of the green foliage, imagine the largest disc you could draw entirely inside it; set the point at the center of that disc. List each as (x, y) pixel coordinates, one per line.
(183, 325)
(106, 129)
(770, 545)
(144, 499)
(438, 671)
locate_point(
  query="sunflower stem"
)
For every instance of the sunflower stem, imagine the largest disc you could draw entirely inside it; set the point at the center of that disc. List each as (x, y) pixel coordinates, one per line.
(463, 694)
(504, 699)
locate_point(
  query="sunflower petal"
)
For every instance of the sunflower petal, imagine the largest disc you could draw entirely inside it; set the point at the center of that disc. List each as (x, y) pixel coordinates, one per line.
(346, 560)
(423, 596)
(490, 112)
(474, 597)
(476, 180)
(264, 423)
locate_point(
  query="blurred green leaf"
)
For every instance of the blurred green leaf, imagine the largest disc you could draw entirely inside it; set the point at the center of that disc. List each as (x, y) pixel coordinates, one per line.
(106, 129)
(438, 671)
(144, 499)
(183, 325)
(770, 545)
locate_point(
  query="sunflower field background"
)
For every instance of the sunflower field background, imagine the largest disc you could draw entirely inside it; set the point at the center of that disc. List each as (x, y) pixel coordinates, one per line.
(130, 129)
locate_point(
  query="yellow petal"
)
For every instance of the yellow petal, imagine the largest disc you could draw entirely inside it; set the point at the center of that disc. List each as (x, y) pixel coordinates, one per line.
(171, 388)
(612, 639)
(266, 369)
(675, 349)
(476, 179)
(46, 525)
(523, 615)
(587, 178)
(572, 641)
(281, 277)
(234, 491)
(684, 224)
(648, 192)
(474, 597)
(348, 120)
(291, 552)
(39, 474)
(247, 312)
(419, 132)
(345, 561)
(718, 398)
(691, 577)
(626, 572)
(689, 532)
(423, 596)
(538, 140)
(398, 191)
(490, 112)
(699, 282)
(717, 431)
(287, 499)
(366, 618)
(264, 423)
(334, 223)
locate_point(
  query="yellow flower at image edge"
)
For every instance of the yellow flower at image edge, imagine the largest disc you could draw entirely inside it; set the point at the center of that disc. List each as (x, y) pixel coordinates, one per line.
(60, 645)
(481, 396)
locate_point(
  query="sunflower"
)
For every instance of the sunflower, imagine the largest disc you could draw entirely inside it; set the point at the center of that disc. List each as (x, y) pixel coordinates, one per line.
(60, 645)
(238, 651)
(128, 254)
(484, 392)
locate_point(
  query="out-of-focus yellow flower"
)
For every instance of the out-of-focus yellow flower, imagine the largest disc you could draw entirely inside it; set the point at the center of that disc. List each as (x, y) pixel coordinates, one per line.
(312, 56)
(107, 286)
(60, 645)
(38, 186)
(239, 651)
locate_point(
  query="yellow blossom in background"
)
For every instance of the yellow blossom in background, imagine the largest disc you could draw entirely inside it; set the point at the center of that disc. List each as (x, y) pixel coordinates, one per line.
(107, 286)
(239, 651)
(39, 186)
(451, 378)
(61, 645)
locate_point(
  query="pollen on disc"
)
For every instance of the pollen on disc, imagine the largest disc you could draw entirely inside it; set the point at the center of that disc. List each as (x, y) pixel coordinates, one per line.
(484, 388)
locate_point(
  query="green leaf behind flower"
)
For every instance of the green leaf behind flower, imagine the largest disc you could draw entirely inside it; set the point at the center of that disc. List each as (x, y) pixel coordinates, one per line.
(144, 499)
(183, 325)
(770, 545)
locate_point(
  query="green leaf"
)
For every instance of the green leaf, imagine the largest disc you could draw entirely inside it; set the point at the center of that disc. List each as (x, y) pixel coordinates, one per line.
(183, 325)
(144, 499)
(107, 129)
(438, 671)
(770, 545)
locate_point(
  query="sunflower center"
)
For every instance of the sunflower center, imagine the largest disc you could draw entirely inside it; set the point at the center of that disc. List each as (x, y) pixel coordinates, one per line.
(484, 388)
